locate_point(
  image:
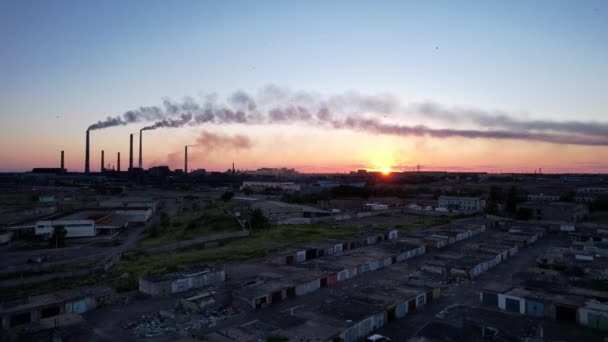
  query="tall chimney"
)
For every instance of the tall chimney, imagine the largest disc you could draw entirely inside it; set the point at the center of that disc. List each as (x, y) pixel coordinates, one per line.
(131, 151)
(186, 159)
(62, 161)
(140, 134)
(102, 164)
(118, 162)
(86, 155)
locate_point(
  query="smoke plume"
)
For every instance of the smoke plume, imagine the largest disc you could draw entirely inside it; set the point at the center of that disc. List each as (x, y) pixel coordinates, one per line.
(376, 114)
(210, 142)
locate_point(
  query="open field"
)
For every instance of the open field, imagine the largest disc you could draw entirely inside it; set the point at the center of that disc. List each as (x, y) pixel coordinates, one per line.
(191, 224)
(125, 274)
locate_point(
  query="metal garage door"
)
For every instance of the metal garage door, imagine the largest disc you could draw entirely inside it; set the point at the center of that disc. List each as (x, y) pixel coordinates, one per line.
(490, 299)
(512, 305)
(598, 321)
(535, 308)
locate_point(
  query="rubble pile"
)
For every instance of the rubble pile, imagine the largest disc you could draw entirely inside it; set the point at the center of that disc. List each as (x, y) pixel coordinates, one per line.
(171, 322)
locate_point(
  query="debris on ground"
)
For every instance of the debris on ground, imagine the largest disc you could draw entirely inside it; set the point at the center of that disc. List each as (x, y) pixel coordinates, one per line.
(168, 322)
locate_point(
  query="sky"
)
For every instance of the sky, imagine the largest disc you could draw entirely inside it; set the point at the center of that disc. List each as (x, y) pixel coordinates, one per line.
(65, 65)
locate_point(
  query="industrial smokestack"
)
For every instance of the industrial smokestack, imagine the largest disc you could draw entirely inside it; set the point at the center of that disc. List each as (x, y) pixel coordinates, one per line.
(62, 161)
(140, 134)
(131, 151)
(102, 164)
(186, 159)
(118, 162)
(86, 155)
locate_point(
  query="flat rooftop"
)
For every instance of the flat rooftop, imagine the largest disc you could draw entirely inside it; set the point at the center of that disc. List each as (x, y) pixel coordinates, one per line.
(54, 298)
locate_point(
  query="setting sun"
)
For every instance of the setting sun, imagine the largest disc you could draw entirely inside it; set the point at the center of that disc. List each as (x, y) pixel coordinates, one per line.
(385, 170)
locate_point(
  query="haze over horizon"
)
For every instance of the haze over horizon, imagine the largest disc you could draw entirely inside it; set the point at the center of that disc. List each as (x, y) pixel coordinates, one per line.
(321, 87)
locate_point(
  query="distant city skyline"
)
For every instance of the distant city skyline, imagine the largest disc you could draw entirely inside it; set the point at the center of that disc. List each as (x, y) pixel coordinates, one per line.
(473, 86)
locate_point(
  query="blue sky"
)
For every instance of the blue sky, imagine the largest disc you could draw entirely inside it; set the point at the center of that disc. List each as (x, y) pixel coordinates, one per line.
(84, 60)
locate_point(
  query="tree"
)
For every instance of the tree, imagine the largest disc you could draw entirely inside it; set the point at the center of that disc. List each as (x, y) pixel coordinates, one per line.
(496, 194)
(227, 196)
(191, 225)
(153, 230)
(567, 197)
(258, 220)
(165, 221)
(514, 197)
(58, 238)
(523, 214)
(276, 338)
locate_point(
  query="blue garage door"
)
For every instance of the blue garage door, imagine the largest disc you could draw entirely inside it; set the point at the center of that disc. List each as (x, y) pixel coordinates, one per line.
(535, 308)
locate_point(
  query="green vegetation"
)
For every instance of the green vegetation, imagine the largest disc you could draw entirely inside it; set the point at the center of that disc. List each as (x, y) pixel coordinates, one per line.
(227, 196)
(258, 220)
(125, 274)
(276, 338)
(189, 225)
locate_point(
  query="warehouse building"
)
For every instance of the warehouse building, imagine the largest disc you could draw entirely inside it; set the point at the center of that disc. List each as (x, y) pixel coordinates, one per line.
(84, 223)
(461, 203)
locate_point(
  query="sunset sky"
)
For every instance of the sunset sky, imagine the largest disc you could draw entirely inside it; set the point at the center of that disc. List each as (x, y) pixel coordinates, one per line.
(458, 77)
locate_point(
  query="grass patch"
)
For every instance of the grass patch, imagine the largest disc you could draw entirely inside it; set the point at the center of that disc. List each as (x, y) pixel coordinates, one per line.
(192, 224)
(253, 247)
(124, 275)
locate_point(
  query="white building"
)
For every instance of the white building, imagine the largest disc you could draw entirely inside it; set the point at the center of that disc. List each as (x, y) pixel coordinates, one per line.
(461, 203)
(261, 186)
(92, 222)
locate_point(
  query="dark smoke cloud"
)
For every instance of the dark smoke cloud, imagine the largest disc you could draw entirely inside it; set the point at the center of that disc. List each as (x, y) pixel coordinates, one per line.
(214, 142)
(377, 127)
(352, 110)
(499, 119)
(173, 123)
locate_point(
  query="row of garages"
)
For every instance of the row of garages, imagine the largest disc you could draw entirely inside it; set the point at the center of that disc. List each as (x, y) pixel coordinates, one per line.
(476, 258)
(290, 281)
(308, 252)
(190, 279)
(348, 314)
(561, 307)
(23, 313)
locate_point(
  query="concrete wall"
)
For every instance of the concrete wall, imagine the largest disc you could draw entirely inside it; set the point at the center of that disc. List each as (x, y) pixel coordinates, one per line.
(166, 287)
(137, 215)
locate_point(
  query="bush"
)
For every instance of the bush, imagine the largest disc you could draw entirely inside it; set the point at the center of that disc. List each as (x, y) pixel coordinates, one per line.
(227, 196)
(258, 220)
